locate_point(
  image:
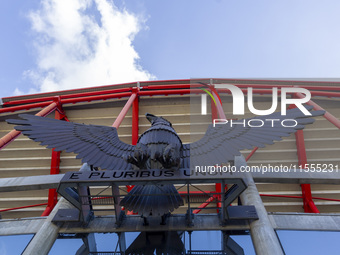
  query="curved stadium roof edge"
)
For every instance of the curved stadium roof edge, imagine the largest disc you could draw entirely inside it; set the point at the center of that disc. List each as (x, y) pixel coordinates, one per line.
(180, 84)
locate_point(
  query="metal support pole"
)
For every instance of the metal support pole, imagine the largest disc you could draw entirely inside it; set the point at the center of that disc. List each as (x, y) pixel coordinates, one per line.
(190, 248)
(44, 239)
(59, 114)
(215, 111)
(121, 241)
(308, 203)
(124, 111)
(263, 235)
(251, 153)
(89, 245)
(135, 120)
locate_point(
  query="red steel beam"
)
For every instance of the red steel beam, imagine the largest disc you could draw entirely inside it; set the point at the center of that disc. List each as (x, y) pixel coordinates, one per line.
(55, 166)
(24, 107)
(185, 84)
(135, 120)
(227, 91)
(121, 116)
(146, 93)
(22, 207)
(251, 153)
(329, 91)
(331, 88)
(217, 109)
(308, 203)
(94, 96)
(218, 188)
(331, 118)
(124, 111)
(287, 196)
(65, 101)
(5, 140)
(135, 128)
(269, 91)
(204, 205)
(70, 96)
(52, 193)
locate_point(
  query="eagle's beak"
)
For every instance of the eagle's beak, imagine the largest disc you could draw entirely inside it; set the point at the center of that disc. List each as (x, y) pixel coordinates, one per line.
(151, 117)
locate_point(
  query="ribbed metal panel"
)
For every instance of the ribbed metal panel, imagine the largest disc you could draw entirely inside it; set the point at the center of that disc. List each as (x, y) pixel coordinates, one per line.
(26, 158)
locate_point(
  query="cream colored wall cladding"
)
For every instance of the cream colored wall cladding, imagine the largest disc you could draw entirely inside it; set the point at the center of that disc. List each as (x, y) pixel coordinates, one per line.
(24, 157)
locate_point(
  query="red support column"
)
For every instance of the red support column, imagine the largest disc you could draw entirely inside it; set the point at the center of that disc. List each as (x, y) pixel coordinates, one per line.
(215, 112)
(135, 128)
(55, 162)
(135, 120)
(308, 203)
(124, 111)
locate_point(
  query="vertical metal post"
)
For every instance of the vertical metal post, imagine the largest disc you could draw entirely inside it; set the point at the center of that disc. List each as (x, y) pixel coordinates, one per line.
(116, 201)
(263, 235)
(44, 239)
(190, 248)
(223, 205)
(135, 120)
(89, 245)
(55, 161)
(189, 222)
(214, 115)
(308, 203)
(122, 242)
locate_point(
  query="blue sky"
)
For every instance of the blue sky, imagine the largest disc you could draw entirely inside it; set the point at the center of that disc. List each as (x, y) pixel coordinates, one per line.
(53, 45)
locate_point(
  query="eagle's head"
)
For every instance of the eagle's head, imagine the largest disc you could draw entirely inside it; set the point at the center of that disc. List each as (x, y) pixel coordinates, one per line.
(154, 120)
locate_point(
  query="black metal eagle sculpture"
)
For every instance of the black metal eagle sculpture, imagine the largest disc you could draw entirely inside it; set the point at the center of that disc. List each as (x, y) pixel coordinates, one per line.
(157, 148)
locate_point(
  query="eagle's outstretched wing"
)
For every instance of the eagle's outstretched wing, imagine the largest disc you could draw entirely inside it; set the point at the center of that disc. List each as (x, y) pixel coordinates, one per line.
(224, 141)
(96, 145)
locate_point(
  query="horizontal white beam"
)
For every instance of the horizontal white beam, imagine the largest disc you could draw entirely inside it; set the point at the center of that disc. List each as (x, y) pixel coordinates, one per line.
(30, 183)
(52, 181)
(206, 222)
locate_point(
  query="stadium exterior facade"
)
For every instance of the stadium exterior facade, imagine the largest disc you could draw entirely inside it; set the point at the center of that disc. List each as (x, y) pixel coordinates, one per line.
(291, 185)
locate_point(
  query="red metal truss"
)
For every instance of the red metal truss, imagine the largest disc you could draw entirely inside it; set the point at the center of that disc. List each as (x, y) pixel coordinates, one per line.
(218, 187)
(154, 88)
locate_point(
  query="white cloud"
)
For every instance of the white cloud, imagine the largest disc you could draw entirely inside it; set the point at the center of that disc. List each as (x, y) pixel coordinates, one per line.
(84, 43)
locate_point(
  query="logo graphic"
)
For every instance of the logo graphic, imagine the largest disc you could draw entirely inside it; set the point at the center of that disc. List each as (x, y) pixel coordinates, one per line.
(239, 102)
